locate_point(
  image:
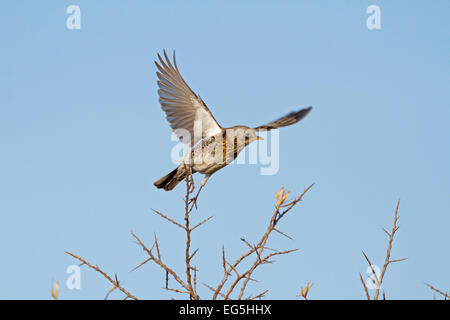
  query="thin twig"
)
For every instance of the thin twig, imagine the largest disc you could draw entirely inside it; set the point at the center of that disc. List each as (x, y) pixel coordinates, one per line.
(116, 284)
(199, 224)
(387, 261)
(388, 252)
(189, 189)
(169, 219)
(445, 295)
(159, 262)
(262, 294)
(258, 249)
(365, 287)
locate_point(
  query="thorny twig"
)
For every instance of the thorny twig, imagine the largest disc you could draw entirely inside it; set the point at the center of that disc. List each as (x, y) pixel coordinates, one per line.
(445, 295)
(387, 261)
(189, 284)
(115, 282)
(364, 286)
(242, 279)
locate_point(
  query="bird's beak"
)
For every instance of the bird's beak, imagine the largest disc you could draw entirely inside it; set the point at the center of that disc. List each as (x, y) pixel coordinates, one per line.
(259, 138)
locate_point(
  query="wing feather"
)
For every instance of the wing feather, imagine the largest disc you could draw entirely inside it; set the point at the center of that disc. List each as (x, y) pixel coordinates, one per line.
(287, 120)
(182, 106)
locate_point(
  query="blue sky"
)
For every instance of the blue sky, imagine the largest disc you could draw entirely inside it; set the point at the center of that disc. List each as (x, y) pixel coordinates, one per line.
(83, 137)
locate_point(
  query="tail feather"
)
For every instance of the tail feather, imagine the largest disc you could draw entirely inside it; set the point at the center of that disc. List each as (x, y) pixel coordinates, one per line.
(170, 180)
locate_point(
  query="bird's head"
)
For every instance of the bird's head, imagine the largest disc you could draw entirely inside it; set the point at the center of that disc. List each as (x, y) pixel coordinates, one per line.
(251, 135)
(246, 134)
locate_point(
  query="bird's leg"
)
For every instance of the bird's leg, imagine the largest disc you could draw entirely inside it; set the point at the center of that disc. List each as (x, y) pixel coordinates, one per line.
(194, 199)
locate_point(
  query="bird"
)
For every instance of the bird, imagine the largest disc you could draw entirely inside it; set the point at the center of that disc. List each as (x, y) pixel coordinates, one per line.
(212, 147)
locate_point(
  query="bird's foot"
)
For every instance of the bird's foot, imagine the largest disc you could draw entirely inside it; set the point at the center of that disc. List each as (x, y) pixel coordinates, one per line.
(193, 203)
(193, 200)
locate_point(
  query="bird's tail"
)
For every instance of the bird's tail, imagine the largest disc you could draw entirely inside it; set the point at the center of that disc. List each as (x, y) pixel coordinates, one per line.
(170, 180)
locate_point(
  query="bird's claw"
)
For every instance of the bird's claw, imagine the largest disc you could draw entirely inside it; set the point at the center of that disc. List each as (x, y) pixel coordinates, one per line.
(194, 203)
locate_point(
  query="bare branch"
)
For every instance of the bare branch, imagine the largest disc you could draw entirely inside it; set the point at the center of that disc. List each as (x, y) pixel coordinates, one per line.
(262, 294)
(365, 287)
(387, 260)
(115, 282)
(168, 219)
(388, 252)
(159, 262)
(445, 295)
(199, 224)
(258, 249)
(188, 285)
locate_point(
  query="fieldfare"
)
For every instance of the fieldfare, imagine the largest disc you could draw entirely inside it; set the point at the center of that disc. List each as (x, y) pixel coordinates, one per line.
(212, 147)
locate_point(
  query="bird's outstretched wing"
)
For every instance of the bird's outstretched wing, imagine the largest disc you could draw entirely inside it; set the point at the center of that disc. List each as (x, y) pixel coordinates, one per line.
(184, 109)
(287, 120)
